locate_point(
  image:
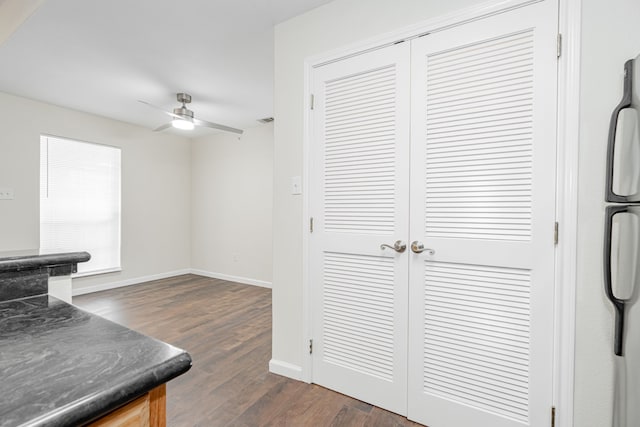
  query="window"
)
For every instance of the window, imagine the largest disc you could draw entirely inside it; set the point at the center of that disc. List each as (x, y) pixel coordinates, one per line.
(80, 201)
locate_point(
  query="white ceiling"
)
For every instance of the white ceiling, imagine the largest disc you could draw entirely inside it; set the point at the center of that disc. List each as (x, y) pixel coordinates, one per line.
(102, 56)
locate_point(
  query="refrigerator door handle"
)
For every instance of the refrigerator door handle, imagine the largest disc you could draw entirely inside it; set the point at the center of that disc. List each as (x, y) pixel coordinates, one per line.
(626, 101)
(618, 304)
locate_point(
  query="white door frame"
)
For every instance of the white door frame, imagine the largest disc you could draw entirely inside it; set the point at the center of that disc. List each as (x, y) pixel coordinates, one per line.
(567, 178)
(567, 208)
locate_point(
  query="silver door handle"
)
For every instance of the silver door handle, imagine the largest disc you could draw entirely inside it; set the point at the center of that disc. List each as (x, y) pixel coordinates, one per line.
(398, 246)
(418, 247)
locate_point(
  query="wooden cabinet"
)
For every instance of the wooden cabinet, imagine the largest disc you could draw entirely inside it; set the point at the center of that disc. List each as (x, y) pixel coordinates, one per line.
(148, 410)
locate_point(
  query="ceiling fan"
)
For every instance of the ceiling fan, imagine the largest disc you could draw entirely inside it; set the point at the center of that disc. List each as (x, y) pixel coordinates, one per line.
(183, 118)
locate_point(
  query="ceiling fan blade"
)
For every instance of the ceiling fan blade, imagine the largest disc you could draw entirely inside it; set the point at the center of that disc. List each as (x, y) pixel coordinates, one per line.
(163, 127)
(205, 123)
(161, 109)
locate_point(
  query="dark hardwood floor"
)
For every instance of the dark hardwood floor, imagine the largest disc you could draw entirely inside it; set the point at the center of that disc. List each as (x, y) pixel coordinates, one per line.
(226, 327)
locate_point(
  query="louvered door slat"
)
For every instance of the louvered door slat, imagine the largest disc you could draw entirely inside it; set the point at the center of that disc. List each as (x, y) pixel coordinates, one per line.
(483, 142)
(360, 199)
(371, 170)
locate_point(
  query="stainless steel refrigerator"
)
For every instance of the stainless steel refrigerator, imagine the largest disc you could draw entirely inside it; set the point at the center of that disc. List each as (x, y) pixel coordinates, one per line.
(622, 246)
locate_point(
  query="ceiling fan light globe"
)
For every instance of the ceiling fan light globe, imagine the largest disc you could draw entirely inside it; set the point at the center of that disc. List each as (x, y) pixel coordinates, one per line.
(182, 124)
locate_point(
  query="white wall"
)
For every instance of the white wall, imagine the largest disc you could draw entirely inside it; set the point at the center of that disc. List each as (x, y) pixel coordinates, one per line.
(231, 181)
(232, 196)
(610, 36)
(155, 186)
(329, 27)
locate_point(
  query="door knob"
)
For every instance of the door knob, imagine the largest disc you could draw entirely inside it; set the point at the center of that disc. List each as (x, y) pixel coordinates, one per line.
(398, 246)
(418, 247)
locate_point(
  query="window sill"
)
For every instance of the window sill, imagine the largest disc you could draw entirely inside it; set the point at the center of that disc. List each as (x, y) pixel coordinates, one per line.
(96, 272)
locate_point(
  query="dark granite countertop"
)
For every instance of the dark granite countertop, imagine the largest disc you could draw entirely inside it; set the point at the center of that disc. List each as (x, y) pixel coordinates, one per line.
(28, 276)
(19, 263)
(61, 366)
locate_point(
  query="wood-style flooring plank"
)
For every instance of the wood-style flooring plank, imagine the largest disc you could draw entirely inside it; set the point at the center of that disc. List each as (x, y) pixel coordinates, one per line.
(226, 327)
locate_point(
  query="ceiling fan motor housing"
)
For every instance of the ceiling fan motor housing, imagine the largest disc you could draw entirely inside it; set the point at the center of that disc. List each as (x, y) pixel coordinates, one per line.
(183, 112)
(185, 98)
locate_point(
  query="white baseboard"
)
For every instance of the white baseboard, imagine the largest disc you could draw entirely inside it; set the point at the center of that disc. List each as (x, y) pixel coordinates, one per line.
(142, 279)
(239, 279)
(128, 282)
(285, 369)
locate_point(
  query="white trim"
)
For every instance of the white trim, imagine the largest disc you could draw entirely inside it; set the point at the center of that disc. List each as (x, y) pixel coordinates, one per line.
(567, 203)
(567, 209)
(229, 277)
(96, 272)
(128, 282)
(285, 369)
(439, 23)
(137, 280)
(307, 323)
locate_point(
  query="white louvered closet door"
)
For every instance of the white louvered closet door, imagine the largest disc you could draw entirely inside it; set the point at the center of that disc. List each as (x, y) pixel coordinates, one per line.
(359, 182)
(483, 198)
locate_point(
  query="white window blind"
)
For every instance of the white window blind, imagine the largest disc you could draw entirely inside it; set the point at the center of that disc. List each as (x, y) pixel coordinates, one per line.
(80, 201)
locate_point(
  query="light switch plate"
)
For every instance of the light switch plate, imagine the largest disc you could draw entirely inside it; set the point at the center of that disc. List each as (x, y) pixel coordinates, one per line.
(6, 193)
(296, 185)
